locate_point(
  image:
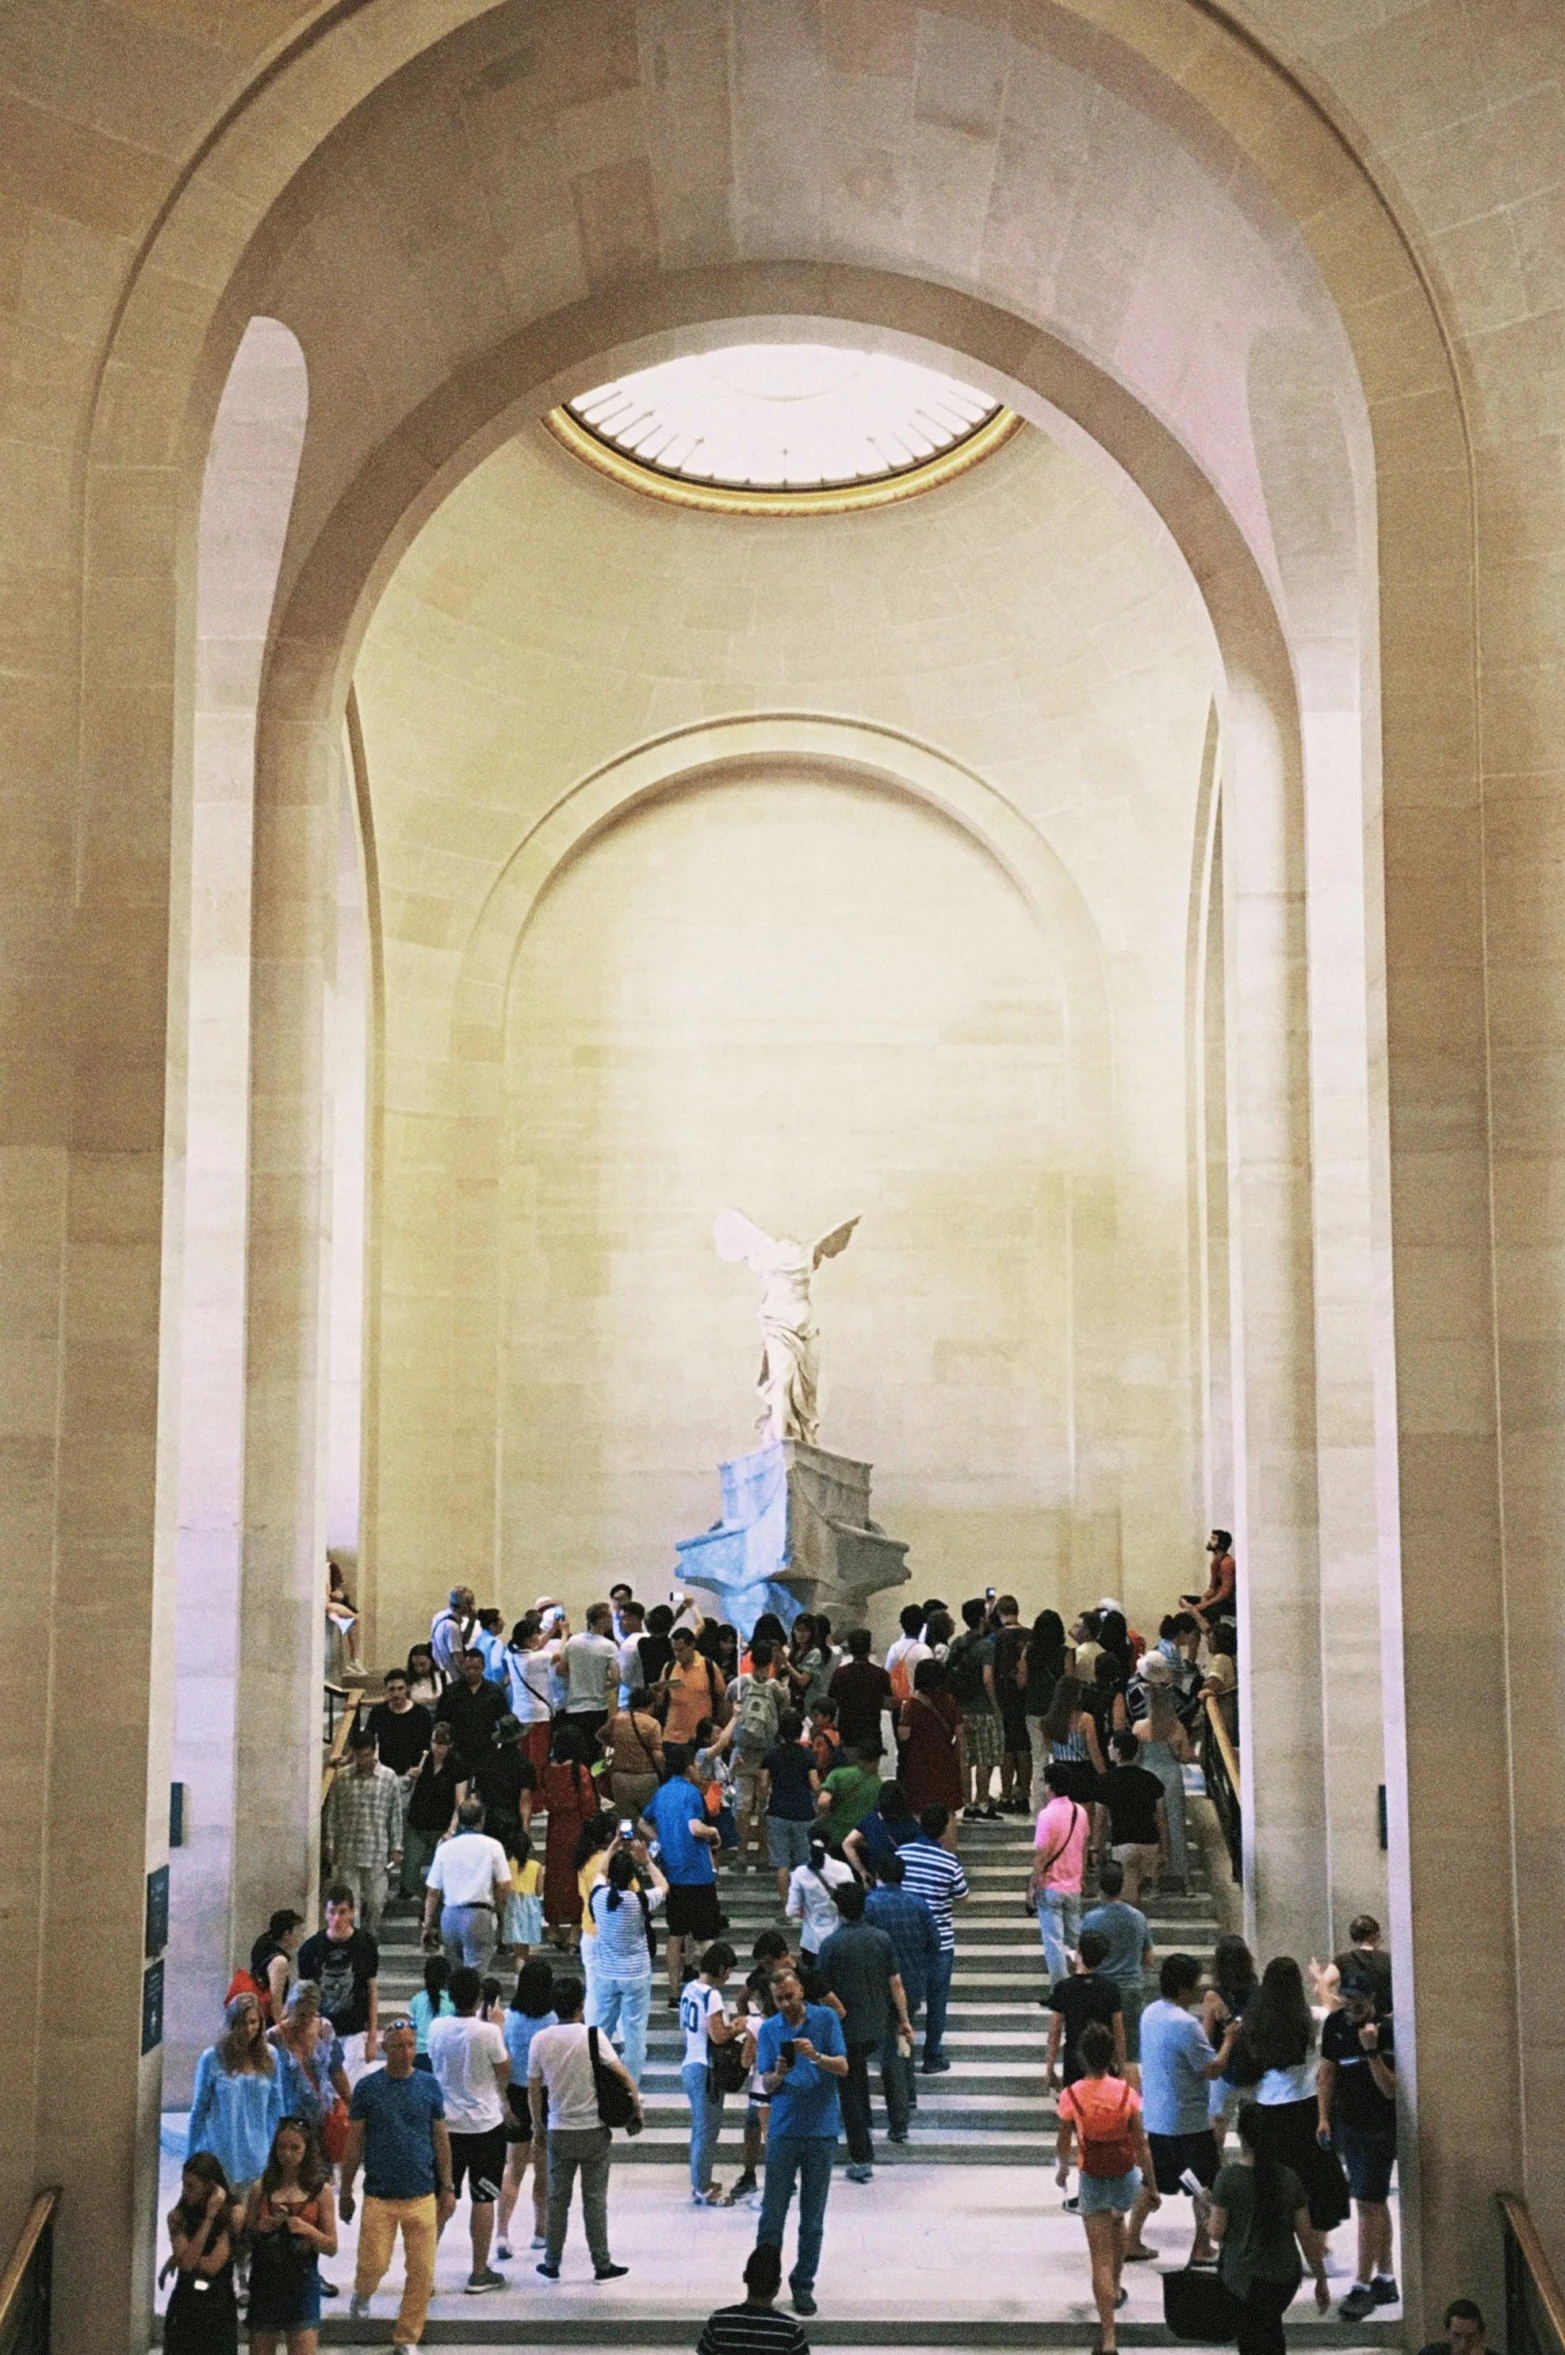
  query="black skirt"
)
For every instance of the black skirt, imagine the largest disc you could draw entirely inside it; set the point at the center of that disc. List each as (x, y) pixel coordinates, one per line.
(1287, 2134)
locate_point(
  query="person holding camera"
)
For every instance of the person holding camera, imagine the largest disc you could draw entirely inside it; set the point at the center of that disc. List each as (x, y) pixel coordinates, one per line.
(801, 2058)
(622, 1904)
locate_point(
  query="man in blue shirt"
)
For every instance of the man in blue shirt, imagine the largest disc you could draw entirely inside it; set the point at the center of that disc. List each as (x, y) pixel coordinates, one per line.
(910, 1925)
(801, 2055)
(1178, 2066)
(397, 2131)
(675, 1816)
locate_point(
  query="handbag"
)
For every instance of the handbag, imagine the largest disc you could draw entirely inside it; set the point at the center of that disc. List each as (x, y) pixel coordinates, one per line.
(334, 2131)
(1198, 2304)
(727, 2070)
(616, 2100)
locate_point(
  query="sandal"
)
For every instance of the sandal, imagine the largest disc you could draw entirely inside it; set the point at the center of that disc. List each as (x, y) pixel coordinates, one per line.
(1140, 2257)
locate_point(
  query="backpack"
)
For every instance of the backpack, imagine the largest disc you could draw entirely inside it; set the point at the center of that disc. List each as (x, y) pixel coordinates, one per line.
(243, 1983)
(965, 1672)
(902, 1680)
(758, 1713)
(616, 2101)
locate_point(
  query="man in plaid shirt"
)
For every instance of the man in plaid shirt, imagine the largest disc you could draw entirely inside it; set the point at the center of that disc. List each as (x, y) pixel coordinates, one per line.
(362, 1834)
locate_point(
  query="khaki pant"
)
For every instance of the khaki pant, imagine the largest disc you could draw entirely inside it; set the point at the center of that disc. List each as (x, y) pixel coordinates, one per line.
(378, 2222)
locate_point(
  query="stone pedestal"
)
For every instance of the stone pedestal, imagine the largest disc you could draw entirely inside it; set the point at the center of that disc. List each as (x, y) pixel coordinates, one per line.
(795, 1535)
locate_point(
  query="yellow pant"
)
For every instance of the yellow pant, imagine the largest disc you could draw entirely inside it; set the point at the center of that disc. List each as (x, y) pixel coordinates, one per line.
(378, 2221)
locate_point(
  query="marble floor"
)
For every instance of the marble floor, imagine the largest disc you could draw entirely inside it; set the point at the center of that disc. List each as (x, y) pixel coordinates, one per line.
(943, 2244)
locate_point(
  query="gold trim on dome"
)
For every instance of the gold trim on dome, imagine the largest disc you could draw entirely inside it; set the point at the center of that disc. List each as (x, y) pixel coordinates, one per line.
(884, 490)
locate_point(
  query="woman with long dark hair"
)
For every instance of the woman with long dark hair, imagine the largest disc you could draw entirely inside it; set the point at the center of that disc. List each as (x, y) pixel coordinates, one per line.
(531, 2008)
(1073, 1742)
(203, 2226)
(571, 1797)
(1260, 2219)
(290, 2223)
(1038, 1672)
(1274, 2060)
(933, 1767)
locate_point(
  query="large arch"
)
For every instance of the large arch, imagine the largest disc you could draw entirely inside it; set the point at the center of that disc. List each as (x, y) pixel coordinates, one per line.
(157, 398)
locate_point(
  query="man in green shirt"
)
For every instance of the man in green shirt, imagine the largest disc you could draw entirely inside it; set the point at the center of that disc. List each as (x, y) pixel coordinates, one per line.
(848, 1794)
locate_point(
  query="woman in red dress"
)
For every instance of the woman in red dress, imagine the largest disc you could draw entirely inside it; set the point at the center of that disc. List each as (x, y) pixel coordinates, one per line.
(571, 1796)
(931, 1727)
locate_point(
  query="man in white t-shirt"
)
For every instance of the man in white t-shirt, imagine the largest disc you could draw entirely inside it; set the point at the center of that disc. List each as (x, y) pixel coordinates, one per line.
(904, 1655)
(591, 1664)
(469, 1883)
(564, 2096)
(472, 2069)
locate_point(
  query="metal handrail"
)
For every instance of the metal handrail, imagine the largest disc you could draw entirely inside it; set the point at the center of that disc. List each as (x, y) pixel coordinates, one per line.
(1531, 2290)
(1224, 1783)
(25, 2285)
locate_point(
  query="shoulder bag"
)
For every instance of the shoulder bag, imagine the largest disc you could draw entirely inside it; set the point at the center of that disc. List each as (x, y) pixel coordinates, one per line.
(616, 2101)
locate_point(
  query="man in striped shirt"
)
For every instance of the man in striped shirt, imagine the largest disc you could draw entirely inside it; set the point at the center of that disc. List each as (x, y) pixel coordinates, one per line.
(755, 2328)
(930, 1870)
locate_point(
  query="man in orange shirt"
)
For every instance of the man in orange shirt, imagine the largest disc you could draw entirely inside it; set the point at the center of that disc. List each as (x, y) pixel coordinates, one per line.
(695, 1690)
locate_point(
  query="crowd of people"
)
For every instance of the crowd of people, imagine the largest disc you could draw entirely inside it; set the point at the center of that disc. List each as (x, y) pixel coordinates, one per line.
(658, 1753)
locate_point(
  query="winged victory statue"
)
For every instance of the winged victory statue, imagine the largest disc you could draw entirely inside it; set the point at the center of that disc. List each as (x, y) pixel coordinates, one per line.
(790, 1341)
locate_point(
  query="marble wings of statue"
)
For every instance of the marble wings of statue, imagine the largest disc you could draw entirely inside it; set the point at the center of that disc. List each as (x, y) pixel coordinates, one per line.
(790, 1344)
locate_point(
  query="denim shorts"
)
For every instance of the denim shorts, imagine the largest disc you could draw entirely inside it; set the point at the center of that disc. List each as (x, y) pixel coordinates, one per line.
(787, 1843)
(1098, 2194)
(1368, 2159)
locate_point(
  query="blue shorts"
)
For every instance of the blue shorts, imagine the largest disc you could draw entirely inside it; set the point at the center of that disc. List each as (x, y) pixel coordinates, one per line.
(1097, 2195)
(787, 1843)
(1368, 2160)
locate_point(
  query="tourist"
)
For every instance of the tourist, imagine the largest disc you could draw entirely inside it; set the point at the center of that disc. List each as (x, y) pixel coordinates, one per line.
(1071, 1732)
(622, 1599)
(1219, 1599)
(472, 2067)
(1465, 2332)
(970, 1683)
(506, 1784)
(1086, 1993)
(889, 1825)
(930, 1729)
(755, 2328)
(240, 2093)
(1104, 1699)
(361, 1827)
(676, 1818)
(529, 1674)
(656, 1648)
(827, 1747)
(489, 1638)
(320, 2086)
(451, 1630)
(431, 2003)
(633, 1746)
(397, 2134)
(571, 1797)
(401, 1726)
(759, 1701)
(1366, 1954)
(915, 1941)
(1235, 1980)
(1260, 2219)
(467, 1888)
(1041, 1666)
(434, 1796)
(621, 1907)
(1059, 1857)
(1102, 2116)
(847, 1794)
(426, 1685)
(904, 1654)
(1274, 2054)
(1129, 1941)
(706, 2027)
(811, 1899)
(806, 1664)
(473, 1707)
(1358, 2096)
(1178, 2065)
(930, 1870)
(861, 1694)
(802, 2058)
(563, 2086)
(344, 1962)
(531, 2008)
(521, 1925)
(858, 1964)
(692, 1689)
(591, 1664)
(1165, 1751)
(1010, 1652)
(790, 1789)
(1220, 1680)
(271, 1962)
(203, 2228)
(290, 2224)
(1133, 1818)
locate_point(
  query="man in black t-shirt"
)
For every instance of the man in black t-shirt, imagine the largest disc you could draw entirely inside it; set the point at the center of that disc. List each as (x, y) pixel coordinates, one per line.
(1358, 2063)
(1088, 1994)
(344, 1962)
(862, 1692)
(401, 1726)
(506, 1783)
(473, 1709)
(1131, 1797)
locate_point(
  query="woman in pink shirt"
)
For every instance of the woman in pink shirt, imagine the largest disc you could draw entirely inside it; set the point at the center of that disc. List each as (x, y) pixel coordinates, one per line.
(1059, 1854)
